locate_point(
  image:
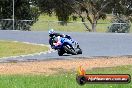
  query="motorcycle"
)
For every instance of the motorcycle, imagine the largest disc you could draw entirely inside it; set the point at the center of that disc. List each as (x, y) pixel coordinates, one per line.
(65, 45)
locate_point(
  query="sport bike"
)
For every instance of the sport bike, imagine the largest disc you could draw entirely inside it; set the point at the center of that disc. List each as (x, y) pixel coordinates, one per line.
(69, 46)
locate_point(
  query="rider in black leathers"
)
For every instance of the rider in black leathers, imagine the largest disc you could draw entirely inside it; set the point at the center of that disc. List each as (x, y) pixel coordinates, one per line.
(53, 34)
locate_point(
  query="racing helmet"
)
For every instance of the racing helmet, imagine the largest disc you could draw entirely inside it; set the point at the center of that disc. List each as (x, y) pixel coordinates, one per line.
(51, 31)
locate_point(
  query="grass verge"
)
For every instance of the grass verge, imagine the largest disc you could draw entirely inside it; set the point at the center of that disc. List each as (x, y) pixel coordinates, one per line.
(63, 80)
(8, 48)
(46, 22)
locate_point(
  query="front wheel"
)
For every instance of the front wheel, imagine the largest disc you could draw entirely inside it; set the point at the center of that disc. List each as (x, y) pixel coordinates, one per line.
(60, 52)
(79, 51)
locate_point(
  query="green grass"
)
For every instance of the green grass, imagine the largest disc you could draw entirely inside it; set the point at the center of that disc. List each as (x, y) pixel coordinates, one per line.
(8, 48)
(45, 22)
(63, 80)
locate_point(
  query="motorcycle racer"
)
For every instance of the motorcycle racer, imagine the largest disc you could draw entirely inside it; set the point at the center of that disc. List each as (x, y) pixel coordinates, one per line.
(53, 34)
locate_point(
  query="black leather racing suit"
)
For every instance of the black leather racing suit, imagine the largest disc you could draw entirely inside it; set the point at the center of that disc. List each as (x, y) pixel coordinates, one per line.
(52, 36)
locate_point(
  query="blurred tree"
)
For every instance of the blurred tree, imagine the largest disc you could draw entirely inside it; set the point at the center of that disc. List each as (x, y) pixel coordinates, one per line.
(87, 10)
(5, 9)
(91, 10)
(124, 7)
(24, 10)
(57, 7)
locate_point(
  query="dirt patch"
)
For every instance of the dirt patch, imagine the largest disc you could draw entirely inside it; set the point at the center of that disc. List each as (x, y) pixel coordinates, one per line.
(54, 66)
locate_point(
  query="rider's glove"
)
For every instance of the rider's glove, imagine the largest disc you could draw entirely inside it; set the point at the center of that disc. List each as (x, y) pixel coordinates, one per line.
(55, 47)
(52, 47)
(68, 36)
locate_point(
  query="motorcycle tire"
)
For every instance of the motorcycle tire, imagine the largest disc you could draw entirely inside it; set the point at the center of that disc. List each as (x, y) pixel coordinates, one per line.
(79, 51)
(70, 50)
(60, 52)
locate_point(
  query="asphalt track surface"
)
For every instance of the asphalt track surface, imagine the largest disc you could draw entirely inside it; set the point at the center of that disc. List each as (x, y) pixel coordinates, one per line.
(92, 44)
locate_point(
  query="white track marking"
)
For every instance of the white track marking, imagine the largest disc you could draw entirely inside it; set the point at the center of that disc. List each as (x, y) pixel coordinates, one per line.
(38, 53)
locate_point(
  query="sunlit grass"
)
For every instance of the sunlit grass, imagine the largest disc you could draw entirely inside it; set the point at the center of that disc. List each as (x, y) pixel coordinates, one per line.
(63, 80)
(46, 22)
(8, 48)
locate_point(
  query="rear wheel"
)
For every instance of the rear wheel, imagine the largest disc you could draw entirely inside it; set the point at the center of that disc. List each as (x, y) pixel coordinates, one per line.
(70, 50)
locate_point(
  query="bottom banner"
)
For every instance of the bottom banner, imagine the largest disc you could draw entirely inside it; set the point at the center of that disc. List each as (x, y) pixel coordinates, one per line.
(83, 78)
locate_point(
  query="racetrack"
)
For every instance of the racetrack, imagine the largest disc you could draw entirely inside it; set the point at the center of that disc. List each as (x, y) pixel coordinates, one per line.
(92, 44)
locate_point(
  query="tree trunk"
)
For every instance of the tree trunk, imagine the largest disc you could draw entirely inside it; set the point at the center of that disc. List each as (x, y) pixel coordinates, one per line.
(86, 26)
(94, 24)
